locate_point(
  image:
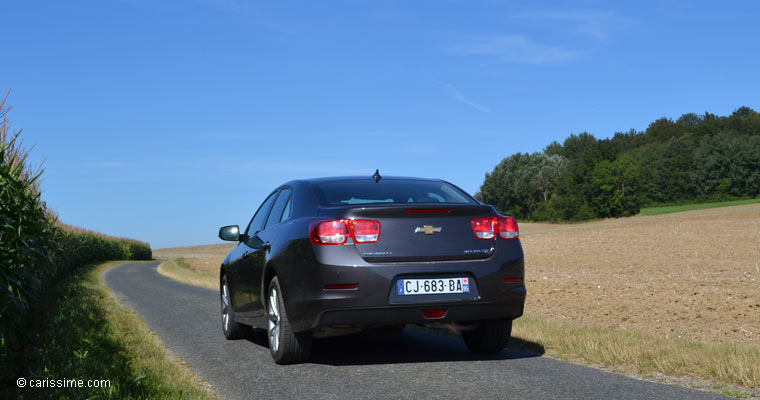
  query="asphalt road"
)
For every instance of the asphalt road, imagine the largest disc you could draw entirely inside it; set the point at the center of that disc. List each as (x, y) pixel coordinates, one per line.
(417, 363)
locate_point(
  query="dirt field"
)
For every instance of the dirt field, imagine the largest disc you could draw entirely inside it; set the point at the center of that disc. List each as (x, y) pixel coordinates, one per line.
(205, 259)
(693, 274)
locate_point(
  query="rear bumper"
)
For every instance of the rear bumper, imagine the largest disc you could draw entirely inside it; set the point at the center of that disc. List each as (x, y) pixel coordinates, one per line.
(413, 314)
(373, 301)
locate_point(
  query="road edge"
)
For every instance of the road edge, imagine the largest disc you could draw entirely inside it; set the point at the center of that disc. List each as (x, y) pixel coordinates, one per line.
(144, 336)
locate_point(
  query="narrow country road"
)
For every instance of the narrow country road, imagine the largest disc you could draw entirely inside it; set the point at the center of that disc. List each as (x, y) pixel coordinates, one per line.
(418, 363)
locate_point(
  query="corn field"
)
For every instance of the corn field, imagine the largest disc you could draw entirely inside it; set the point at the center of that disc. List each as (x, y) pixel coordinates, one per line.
(35, 249)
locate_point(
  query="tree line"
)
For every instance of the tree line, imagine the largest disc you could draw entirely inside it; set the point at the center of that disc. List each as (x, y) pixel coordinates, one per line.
(694, 158)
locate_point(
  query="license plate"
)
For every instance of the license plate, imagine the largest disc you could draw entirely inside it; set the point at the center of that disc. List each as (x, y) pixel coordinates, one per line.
(433, 286)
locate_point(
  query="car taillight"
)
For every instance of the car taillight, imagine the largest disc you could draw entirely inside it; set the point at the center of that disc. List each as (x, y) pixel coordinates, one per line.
(329, 232)
(486, 228)
(366, 231)
(337, 231)
(507, 228)
(483, 228)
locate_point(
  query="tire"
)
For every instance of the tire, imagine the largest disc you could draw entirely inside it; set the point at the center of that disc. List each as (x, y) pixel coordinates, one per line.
(491, 337)
(286, 346)
(231, 329)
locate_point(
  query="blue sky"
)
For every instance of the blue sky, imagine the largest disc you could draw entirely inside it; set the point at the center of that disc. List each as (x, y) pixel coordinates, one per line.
(162, 120)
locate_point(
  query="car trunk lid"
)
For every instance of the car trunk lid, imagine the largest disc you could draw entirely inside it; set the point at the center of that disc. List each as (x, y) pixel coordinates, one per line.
(421, 233)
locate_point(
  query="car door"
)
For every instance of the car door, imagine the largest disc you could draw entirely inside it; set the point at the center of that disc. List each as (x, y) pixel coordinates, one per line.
(261, 243)
(240, 287)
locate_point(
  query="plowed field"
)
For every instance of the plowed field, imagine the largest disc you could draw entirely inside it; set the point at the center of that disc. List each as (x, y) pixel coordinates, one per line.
(693, 274)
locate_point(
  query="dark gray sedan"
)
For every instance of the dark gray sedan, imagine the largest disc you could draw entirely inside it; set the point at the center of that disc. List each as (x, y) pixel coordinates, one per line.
(330, 256)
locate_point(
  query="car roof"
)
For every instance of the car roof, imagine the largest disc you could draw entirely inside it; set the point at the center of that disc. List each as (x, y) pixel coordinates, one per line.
(367, 178)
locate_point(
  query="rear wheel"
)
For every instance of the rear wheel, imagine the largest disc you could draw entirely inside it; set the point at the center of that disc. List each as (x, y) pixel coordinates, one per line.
(286, 346)
(491, 337)
(231, 329)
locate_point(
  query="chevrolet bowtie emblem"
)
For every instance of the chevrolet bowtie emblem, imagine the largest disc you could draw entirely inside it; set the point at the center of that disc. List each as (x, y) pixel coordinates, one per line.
(428, 229)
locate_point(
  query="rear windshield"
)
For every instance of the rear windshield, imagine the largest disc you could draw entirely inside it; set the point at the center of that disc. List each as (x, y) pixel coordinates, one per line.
(390, 191)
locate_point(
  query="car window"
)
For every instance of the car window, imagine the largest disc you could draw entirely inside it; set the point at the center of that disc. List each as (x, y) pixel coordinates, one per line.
(436, 198)
(257, 222)
(390, 191)
(279, 207)
(288, 208)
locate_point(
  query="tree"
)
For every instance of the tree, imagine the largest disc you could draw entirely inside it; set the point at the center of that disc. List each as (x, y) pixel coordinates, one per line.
(554, 149)
(609, 182)
(676, 176)
(549, 169)
(662, 130)
(520, 182)
(575, 145)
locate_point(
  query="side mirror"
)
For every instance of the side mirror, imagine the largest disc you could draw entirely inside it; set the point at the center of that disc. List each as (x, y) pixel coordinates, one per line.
(230, 233)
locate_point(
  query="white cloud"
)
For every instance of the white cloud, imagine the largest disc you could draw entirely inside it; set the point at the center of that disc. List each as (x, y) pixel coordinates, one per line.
(596, 24)
(457, 95)
(514, 48)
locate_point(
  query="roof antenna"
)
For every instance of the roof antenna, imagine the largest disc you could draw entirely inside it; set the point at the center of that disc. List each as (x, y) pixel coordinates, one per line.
(377, 176)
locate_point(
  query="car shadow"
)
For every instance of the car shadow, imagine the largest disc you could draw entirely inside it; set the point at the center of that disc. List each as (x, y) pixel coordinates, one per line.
(412, 345)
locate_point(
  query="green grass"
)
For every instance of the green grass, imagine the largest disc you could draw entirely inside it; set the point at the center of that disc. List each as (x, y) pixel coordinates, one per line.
(731, 365)
(80, 331)
(689, 207)
(736, 394)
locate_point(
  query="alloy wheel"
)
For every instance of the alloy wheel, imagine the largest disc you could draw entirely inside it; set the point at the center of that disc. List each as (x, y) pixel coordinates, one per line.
(273, 311)
(225, 305)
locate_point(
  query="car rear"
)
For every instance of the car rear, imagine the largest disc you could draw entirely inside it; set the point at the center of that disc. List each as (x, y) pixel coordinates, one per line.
(403, 250)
